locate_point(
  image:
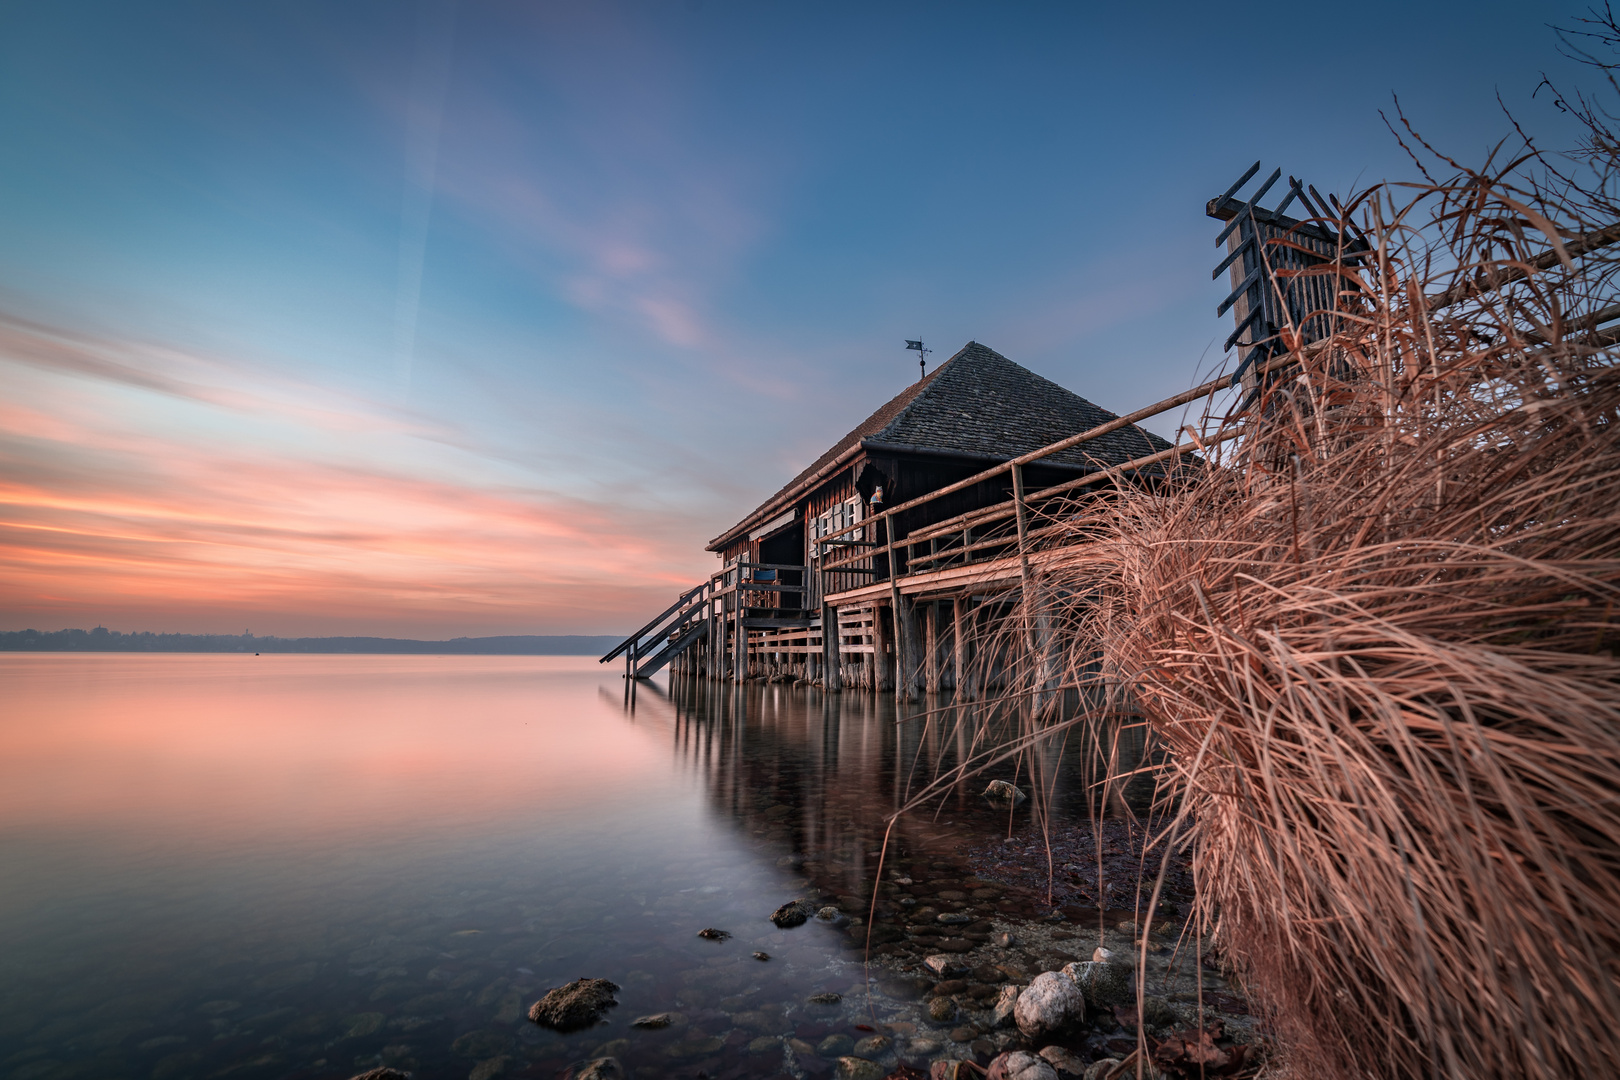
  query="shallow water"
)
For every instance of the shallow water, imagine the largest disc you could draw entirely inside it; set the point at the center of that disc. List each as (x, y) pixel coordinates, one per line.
(306, 866)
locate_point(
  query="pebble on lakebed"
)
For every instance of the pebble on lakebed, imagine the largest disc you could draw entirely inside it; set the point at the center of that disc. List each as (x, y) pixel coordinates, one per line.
(656, 1020)
(577, 1005)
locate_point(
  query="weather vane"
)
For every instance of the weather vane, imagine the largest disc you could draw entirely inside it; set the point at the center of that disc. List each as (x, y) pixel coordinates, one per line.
(922, 361)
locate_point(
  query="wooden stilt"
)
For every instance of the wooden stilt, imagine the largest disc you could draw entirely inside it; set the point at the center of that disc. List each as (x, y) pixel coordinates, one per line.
(909, 660)
(931, 663)
(831, 662)
(882, 680)
(959, 643)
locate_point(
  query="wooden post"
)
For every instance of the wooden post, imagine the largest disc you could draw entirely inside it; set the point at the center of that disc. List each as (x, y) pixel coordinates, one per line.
(931, 666)
(710, 669)
(959, 642)
(832, 665)
(740, 647)
(908, 658)
(901, 681)
(1026, 575)
(881, 679)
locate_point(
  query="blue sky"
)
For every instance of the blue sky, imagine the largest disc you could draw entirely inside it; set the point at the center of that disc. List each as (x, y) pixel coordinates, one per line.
(434, 318)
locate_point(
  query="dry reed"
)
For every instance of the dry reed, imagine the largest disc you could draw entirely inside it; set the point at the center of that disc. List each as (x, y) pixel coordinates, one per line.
(1376, 640)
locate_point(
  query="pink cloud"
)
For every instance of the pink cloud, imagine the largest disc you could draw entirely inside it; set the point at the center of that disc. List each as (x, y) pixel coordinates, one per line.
(123, 501)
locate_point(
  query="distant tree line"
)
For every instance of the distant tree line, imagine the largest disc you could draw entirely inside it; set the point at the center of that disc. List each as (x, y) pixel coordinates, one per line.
(103, 640)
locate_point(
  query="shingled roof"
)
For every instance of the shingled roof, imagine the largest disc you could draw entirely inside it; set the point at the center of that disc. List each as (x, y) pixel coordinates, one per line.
(978, 404)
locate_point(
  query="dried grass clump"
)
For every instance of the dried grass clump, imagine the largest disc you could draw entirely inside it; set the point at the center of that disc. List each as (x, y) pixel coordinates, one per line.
(1377, 639)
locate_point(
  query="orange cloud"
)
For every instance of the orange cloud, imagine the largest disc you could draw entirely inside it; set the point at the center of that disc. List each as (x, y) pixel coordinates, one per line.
(191, 502)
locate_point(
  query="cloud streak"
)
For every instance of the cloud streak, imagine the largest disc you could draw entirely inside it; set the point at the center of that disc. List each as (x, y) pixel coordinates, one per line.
(121, 503)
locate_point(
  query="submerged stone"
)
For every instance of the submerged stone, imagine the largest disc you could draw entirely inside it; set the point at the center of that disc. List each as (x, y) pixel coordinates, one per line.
(793, 913)
(1066, 1062)
(1003, 792)
(1103, 982)
(945, 966)
(872, 1046)
(602, 1068)
(577, 1005)
(1021, 1065)
(854, 1068)
(1006, 1002)
(835, 1046)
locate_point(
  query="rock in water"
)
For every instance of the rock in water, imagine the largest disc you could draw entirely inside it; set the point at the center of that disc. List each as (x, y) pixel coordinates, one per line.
(1020, 1065)
(944, 965)
(601, 1069)
(873, 1046)
(1002, 792)
(1006, 1001)
(656, 1020)
(1104, 982)
(382, 1074)
(1052, 1003)
(1104, 1069)
(942, 1010)
(762, 956)
(1066, 1062)
(793, 913)
(829, 998)
(711, 934)
(854, 1068)
(578, 1005)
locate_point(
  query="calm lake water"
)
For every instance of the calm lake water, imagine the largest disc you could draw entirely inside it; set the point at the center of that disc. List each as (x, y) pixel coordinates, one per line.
(306, 866)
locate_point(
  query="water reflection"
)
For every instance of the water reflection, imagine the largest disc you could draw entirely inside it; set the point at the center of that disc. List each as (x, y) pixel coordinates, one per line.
(305, 866)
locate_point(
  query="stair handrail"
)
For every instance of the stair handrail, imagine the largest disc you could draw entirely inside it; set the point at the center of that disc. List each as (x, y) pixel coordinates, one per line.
(666, 613)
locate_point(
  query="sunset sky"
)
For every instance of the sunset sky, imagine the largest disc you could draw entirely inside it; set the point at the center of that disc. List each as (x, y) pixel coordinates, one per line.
(436, 319)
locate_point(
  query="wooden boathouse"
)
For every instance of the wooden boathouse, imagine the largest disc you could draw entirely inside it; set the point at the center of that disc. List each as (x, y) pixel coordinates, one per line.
(897, 534)
(880, 565)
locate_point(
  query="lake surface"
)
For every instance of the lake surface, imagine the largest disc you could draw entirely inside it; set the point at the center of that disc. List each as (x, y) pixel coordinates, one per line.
(307, 866)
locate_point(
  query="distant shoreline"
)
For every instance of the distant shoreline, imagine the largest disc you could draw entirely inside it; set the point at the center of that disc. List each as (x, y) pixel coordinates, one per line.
(103, 640)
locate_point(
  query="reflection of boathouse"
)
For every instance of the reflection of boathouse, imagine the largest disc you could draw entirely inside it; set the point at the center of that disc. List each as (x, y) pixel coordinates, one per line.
(899, 533)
